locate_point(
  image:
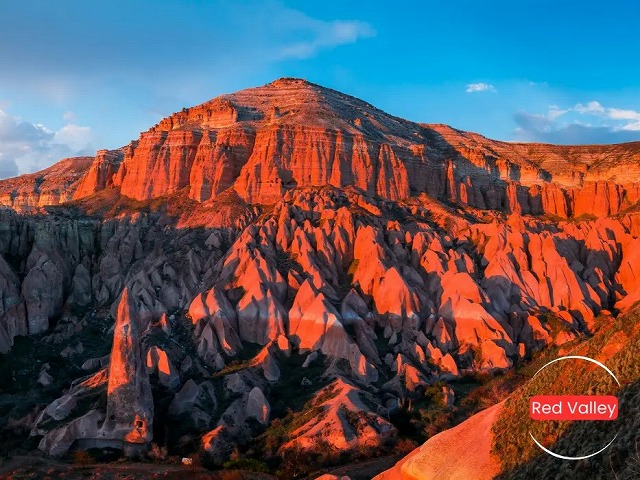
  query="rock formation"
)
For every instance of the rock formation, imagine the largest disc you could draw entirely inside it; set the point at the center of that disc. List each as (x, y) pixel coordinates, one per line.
(290, 244)
(129, 415)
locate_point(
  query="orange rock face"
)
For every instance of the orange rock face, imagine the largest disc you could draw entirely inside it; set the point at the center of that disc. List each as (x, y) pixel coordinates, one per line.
(461, 452)
(216, 325)
(129, 415)
(100, 174)
(52, 186)
(290, 133)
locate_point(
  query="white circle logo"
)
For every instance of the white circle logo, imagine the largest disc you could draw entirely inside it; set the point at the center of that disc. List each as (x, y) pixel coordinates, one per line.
(567, 407)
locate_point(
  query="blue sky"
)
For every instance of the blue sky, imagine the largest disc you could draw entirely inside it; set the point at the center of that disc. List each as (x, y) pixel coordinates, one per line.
(76, 76)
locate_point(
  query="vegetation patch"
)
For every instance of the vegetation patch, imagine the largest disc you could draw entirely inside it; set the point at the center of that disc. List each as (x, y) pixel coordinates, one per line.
(512, 444)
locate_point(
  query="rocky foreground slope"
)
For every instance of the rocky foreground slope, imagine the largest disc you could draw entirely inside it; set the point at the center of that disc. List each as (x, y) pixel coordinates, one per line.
(286, 270)
(495, 443)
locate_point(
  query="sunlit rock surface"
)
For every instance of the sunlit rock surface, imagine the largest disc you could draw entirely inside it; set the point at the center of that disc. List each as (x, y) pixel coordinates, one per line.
(292, 244)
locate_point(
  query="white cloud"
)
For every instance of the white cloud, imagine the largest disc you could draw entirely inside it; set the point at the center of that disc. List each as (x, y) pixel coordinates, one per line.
(77, 138)
(322, 35)
(27, 147)
(480, 87)
(630, 119)
(531, 83)
(620, 114)
(555, 112)
(592, 107)
(589, 122)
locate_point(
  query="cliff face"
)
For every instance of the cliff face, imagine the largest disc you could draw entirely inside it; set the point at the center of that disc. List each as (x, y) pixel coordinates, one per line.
(52, 186)
(100, 174)
(345, 262)
(291, 133)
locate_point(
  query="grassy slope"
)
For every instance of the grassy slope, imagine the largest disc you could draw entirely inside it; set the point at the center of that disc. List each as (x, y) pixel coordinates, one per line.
(618, 346)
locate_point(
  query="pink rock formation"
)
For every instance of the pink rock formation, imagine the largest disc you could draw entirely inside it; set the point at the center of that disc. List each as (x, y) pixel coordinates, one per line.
(100, 174)
(257, 406)
(339, 404)
(51, 186)
(314, 324)
(264, 141)
(159, 164)
(42, 290)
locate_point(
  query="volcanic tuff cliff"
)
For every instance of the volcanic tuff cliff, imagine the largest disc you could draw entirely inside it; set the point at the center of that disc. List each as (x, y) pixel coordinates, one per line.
(292, 133)
(292, 267)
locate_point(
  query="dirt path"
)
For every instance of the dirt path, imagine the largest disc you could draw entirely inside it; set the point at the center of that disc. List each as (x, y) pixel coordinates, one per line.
(26, 467)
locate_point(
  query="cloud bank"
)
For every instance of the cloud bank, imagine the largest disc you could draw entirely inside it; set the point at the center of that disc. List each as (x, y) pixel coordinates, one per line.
(27, 147)
(582, 123)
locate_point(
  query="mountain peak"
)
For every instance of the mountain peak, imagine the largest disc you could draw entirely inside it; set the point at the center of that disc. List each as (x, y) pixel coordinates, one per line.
(294, 102)
(287, 82)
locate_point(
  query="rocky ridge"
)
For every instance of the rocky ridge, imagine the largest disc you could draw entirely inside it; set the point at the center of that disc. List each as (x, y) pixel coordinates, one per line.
(291, 133)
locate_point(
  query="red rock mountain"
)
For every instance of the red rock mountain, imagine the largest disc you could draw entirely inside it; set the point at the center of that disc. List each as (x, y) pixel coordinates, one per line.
(290, 268)
(292, 133)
